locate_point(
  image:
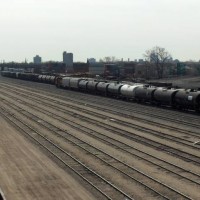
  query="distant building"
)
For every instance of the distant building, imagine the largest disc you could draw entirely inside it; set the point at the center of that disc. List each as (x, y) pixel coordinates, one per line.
(111, 70)
(96, 68)
(127, 69)
(80, 67)
(68, 60)
(37, 60)
(91, 60)
(140, 60)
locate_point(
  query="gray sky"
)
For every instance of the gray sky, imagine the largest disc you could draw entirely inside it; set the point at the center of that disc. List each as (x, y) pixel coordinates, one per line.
(98, 28)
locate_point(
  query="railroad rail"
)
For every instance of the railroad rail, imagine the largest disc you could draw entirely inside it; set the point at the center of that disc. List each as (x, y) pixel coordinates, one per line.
(59, 108)
(121, 166)
(141, 139)
(118, 144)
(167, 136)
(150, 112)
(80, 169)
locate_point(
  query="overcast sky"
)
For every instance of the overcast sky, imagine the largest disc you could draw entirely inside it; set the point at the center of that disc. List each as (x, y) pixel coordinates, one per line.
(98, 28)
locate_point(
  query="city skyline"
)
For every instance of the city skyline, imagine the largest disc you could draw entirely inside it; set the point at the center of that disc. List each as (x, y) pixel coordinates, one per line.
(94, 28)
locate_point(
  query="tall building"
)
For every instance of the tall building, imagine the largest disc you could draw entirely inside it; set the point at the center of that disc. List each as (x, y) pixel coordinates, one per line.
(68, 60)
(37, 59)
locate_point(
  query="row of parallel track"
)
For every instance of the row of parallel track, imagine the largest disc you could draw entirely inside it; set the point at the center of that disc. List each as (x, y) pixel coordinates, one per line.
(175, 117)
(128, 134)
(54, 105)
(158, 188)
(101, 185)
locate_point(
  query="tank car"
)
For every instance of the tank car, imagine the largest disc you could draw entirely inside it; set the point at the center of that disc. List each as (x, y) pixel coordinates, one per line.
(29, 76)
(34, 77)
(43, 78)
(40, 78)
(144, 94)
(82, 85)
(47, 79)
(188, 99)
(63, 81)
(128, 91)
(164, 96)
(20, 75)
(5, 73)
(102, 88)
(52, 79)
(92, 86)
(74, 83)
(13, 74)
(114, 89)
(9, 74)
(23, 76)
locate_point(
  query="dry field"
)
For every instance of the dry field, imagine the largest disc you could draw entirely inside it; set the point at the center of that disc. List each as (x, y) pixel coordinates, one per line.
(183, 82)
(60, 144)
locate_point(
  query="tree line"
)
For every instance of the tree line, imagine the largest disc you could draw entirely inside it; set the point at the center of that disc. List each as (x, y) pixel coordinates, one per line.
(156, 56)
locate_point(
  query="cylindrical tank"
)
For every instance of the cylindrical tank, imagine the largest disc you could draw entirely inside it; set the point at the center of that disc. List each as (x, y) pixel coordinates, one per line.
(114, 88)
(52, 79)
(144, 93)
(43, 78)
(65, 82)
(128, 90)
(188, 99)
(13, 74)
(165, 96)
(47, 79)
(34, 77)
(102, 87)
(92, 86)
(16, 74)
(82, 85)
(40, 78)
(74, 83)
(20, 75)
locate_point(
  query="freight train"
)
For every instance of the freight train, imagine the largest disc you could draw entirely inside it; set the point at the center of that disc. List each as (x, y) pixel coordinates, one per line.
(175, 98)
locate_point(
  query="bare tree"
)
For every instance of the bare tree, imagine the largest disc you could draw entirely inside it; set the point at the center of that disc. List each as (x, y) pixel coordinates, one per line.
(159, 57)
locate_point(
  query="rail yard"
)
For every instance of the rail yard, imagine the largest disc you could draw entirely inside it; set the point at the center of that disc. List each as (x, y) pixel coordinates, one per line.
(74, 145)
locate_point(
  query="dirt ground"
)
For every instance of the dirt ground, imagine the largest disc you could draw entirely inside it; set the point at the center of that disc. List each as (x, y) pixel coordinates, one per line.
(183, 82)
(26, 173)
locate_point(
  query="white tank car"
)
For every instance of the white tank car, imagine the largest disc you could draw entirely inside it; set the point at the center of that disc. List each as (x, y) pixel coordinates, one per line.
(65, 82)
(74, 83)
(129, 90)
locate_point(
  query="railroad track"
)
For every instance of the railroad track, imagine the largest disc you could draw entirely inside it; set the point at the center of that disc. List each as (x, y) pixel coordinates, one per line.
(64, 119)
(101, 185)
(172, 112)
(55, 108)
(67, 120)
(163, 135)
(136, 127)
(178, 153)
(168, 192)
(119, 145)
(139, 111)
(84, 96)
